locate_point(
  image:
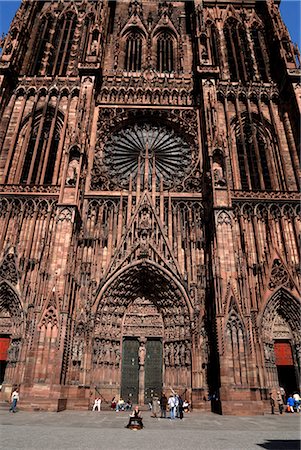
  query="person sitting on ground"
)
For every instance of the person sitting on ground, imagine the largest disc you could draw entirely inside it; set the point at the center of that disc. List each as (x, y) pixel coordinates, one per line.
(186, 406)
(128, 405)
(297, 400)
(290, 404)
(120, 405)
(135, 421)
(113, 403)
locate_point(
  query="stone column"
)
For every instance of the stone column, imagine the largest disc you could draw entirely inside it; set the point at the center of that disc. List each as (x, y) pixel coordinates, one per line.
(141, 354)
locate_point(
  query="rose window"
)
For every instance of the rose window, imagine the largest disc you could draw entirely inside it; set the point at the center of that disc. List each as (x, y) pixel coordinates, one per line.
(153, 150)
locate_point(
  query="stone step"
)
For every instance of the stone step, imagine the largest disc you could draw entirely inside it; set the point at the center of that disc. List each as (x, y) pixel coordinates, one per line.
(4, 405)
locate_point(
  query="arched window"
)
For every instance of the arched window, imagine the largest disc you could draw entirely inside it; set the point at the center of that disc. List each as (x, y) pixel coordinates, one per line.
(238, 52)
(165, 52)
(38, 166)
(214, 45)
(252, 157)
(86, 36)
(63, 41)
(43, 38)
(133, 52)
(259, 48)
(236, 349)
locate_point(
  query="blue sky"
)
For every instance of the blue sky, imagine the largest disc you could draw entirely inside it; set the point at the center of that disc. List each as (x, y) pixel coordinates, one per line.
(290, 10)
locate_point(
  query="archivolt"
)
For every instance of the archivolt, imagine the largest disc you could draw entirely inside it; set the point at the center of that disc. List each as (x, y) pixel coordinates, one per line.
(149, 280)
(284, 304)
(10, 302)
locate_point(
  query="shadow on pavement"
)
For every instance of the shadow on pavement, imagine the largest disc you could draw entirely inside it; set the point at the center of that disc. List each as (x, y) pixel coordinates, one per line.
(281, 444)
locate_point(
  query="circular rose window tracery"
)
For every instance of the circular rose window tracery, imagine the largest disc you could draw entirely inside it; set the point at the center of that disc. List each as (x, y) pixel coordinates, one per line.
(146, 145)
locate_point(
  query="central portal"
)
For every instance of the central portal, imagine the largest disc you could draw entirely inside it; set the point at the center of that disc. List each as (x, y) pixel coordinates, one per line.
(141, 369)
(142, 337)
(142, 352)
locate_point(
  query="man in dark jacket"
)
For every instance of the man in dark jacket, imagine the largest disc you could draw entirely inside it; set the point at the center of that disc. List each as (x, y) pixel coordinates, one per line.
(181, 409)
(163, 404)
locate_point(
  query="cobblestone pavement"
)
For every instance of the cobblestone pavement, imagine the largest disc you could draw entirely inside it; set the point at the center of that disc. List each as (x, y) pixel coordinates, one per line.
(105, 430)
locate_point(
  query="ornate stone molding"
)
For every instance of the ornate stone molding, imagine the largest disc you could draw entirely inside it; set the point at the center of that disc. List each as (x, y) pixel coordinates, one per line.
(148, 88)
(279, 276)
(252, 88)
(26, 189)
(254, 196)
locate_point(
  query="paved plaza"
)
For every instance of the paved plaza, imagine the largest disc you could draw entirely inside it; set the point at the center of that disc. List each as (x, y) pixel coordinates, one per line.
(106, 430)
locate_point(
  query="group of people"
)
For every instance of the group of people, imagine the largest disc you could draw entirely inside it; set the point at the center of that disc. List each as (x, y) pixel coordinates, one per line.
(176, 405)
(121, 405)
(292, 402)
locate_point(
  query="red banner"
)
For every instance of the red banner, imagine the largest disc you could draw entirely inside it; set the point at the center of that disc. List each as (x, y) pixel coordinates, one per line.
(283, 354)
(4, 344)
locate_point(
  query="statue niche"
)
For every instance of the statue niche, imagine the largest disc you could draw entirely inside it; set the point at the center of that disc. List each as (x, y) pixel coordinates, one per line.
(218, 169)
(73, 167)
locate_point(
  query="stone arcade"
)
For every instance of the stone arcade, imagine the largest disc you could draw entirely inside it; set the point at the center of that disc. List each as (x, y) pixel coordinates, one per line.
(149, 205)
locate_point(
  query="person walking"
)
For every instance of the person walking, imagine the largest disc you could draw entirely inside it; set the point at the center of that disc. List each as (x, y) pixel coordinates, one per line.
(176, 405)
(172, 406)
(181, 409)
(97, 404)
(283, 394)
(163, 405)
(155, 406)
(272, 403)
(14, 400)
(279, 402)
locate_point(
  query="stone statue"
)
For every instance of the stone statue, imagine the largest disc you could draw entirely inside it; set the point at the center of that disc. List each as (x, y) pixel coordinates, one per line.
(218, 174)
(187, 354)
(142, 353)
(182, 354)
(94, 47)
(166, 355)
(72, 172)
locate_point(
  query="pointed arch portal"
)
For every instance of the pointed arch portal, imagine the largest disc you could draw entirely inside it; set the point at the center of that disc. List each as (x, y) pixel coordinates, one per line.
(142, 336)
(11, 321)
(281, 334)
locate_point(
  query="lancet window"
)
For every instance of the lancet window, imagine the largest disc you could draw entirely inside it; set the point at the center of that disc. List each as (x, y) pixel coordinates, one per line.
(62, 45)
(86, 35)
(214, 45)
(53, 46)
(133, 52)
(251, 146)
(259, 49)
(39, 163)
(165, 52)
(238, 51)
(208, 45)
(43, 38)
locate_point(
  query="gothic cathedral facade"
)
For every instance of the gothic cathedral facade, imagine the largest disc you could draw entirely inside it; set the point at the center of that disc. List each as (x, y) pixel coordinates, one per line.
(149, 203)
